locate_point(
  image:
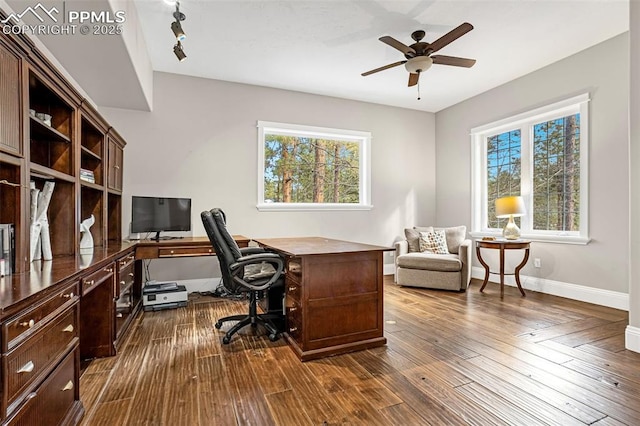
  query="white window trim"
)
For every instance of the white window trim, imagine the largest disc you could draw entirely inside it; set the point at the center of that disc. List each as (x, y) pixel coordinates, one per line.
(362, 138)
(576, 104)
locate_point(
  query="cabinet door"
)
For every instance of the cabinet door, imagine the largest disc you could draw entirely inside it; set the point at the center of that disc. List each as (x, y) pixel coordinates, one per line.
(10, 101)
(115, 166)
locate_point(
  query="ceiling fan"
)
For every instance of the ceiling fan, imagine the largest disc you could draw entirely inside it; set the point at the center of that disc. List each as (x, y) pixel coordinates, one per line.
(418, 54)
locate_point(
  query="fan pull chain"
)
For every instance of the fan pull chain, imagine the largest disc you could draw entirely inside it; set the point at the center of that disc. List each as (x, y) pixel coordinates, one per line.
(418, 89)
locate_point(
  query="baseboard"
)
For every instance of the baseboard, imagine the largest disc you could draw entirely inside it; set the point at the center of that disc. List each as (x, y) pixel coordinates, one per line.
(611, 299)
(200, 285)
(632, 338)
(389, 269)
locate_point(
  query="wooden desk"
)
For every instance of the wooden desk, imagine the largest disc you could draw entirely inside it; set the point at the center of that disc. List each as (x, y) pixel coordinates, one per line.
(180, 247)
(503, 245)
(333, 295)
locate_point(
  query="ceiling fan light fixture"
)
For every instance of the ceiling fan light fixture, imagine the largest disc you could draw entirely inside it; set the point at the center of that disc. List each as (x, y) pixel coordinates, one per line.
(177, 50)
(418, 64)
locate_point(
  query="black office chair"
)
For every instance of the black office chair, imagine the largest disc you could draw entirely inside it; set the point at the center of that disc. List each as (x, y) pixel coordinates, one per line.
(250, 270)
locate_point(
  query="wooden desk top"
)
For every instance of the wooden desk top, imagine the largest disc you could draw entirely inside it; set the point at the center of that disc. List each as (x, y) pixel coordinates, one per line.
(301, 246)
(186, 241)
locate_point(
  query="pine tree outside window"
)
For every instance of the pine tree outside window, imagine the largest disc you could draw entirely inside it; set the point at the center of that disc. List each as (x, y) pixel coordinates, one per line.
(543, 156)
(312, 168)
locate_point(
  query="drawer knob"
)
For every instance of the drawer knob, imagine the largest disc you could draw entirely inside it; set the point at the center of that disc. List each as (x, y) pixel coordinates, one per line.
(108, 269)
(293, 288)
(68, 386)
(29, 323)
(293, 329)
(130, 274)
(27, 368)
(293, 309)
(123, 282)
(68, 329)
(68, 296)
(172, 251)
(89, 283)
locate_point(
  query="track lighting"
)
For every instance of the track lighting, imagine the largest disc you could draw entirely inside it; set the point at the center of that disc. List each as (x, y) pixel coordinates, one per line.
(178, 32)
(177, 50)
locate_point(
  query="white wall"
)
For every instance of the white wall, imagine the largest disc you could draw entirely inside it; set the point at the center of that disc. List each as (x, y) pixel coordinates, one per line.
(200, 141)
(603, 71)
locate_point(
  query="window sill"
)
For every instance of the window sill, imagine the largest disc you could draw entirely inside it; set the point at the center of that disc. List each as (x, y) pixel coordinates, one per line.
(556, 239)
(305, 207)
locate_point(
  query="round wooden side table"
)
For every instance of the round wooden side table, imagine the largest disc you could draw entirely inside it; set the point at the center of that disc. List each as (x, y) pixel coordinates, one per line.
(502, 245)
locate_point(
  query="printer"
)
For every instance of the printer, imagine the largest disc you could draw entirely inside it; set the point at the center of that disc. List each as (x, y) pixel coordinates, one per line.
(163, 295)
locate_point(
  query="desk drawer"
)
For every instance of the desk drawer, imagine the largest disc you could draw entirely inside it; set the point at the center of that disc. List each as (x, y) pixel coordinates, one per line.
(36, 355)
(20, 327)
(294, 320)
(293, 289)
(186, 251)
(294, 269)
(91, 281)
(126, 261)
(50, 403)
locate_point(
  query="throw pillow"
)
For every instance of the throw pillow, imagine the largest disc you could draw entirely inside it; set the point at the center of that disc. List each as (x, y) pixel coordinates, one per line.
(434, 242)
(455, 237)
(413, 237)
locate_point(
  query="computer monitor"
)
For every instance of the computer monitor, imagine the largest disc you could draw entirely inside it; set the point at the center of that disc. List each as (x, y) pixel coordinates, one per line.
(158, 214)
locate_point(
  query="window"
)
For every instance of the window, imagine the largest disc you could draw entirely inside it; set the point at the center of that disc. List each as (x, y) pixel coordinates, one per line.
(543, 156)
(312, 168)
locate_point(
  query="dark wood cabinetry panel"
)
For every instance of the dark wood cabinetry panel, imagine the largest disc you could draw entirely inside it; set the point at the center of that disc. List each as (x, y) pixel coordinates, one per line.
(10, 101)
(116, 147)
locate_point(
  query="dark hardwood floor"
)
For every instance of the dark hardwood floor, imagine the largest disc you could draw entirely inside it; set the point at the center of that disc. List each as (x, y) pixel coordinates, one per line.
(451, 359)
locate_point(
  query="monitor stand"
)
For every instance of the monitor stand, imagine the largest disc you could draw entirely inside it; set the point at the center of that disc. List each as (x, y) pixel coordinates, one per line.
(166, 237)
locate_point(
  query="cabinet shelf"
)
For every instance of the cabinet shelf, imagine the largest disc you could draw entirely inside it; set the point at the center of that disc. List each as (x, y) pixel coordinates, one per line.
(91, 185)
(40, 128)
(39, 171)
(86, 151)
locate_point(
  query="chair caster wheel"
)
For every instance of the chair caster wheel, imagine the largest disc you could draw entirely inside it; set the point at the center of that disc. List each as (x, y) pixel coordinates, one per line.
(218, 325)
(225, 340)
(273, 337)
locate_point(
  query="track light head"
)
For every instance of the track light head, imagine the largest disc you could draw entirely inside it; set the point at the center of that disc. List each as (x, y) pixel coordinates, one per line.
(177, 50)
(178, 31)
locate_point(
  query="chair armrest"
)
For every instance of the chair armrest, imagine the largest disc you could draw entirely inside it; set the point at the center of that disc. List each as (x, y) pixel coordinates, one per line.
(251, 250)
(464, 253)
(237, 269)
(402, 247)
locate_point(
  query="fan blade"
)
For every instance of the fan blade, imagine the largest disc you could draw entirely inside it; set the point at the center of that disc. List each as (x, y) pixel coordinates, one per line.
(386, 67)
(453, 60)
(413, 79)
(451, 36)
(398, 45)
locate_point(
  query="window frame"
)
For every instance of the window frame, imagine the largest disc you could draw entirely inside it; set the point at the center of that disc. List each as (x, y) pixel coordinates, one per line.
(364, 142)
(525, 122)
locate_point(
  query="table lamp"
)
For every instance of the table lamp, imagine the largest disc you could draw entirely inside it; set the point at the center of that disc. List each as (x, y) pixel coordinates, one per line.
(510, 207)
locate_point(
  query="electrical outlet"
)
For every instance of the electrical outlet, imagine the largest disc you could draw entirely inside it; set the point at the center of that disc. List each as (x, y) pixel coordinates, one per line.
(536, 262)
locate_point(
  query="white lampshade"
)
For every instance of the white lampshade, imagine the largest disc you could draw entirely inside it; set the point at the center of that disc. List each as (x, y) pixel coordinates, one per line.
(418, 64)
(510, 206)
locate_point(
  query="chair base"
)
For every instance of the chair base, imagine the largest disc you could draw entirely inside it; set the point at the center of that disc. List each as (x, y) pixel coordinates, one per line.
(253, 319)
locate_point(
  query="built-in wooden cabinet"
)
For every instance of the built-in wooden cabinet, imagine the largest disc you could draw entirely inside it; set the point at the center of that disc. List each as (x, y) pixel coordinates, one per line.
(53, 312)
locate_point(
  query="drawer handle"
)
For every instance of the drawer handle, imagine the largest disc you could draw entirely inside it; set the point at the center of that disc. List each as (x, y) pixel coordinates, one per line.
(68, 296)
(172, 251)
(31, 396)
(68, 386)
(68, 329)
(130, 274)
(27, 368)
(293, 329)
(108, 269)
(29, 323)
(123, 282)
(89, 283)
(293, 288)
(293, 309)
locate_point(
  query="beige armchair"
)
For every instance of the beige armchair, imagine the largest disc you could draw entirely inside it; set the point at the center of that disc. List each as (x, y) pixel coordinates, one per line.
(450, 271)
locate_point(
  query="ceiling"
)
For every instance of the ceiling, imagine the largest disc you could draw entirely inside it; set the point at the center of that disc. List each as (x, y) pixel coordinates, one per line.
(322, 46)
